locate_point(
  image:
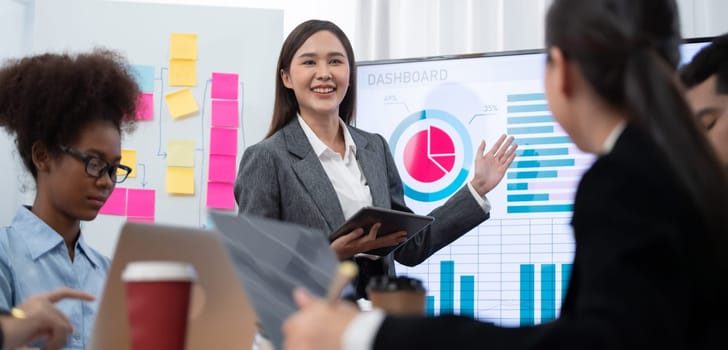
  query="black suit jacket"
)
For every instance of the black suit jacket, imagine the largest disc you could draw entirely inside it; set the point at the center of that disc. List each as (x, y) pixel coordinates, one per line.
(641, 277)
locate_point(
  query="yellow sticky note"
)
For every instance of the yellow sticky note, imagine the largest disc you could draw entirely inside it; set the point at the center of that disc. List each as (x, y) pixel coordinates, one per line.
(182, 72)
(181, 153)
(181, 103)
(129, 158)
(183, 46)
(180, 180)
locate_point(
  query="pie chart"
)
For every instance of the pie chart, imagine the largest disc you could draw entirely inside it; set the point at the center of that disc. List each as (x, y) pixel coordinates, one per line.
(429, 155)
(433, 148)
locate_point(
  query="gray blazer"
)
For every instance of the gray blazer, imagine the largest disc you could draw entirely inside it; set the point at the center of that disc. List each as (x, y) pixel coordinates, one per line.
(282, 178)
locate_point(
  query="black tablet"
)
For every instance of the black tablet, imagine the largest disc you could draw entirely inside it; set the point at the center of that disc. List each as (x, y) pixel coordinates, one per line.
(392, 221)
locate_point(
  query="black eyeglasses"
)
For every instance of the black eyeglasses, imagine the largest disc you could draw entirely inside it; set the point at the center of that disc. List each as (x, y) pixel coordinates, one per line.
(97, 167)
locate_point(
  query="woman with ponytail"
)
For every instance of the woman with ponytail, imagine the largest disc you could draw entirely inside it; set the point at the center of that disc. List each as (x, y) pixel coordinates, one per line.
(650, 216)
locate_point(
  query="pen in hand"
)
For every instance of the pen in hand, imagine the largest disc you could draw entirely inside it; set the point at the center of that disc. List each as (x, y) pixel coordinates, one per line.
(344, 274)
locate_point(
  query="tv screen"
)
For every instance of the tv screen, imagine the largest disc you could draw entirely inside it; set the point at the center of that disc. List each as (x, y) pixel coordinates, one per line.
(514, 268)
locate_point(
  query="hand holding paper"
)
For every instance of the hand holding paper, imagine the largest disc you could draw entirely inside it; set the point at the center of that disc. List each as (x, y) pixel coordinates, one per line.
(346, 272)
(317, 324)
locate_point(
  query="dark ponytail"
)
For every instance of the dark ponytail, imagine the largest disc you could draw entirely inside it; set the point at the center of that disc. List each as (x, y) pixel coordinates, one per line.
(628, 51)
(655, 102)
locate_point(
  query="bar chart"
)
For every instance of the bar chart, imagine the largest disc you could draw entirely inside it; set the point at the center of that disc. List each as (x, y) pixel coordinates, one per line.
(548, 166)
(513, 272)
(513, 269)
(549, 308)
(447, 292)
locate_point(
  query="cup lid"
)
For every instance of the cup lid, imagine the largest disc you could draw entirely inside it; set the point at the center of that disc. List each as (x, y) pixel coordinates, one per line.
(158, 271)
(391, 283)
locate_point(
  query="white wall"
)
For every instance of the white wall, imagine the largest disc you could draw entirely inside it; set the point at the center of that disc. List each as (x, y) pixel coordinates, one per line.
(341, 12)
(702, 18)
(388, 29)
(15, 33)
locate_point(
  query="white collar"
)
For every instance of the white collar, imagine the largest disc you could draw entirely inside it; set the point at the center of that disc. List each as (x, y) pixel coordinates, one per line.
(613, 136)
(319, 147)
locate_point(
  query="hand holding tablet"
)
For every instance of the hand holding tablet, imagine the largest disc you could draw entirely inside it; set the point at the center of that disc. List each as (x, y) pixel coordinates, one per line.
(392, 221)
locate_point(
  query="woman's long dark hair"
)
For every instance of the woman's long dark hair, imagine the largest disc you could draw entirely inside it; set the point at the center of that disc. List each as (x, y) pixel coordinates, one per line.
(628, 51)
(285, 106)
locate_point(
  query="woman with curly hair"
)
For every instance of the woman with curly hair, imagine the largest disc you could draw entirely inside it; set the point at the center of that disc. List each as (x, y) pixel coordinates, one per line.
(66, 113)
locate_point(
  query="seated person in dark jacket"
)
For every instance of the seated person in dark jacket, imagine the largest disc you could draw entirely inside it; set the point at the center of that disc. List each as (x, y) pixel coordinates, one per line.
(706, 78)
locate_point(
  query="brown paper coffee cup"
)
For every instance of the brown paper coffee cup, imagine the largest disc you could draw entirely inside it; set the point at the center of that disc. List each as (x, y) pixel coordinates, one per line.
(397, 295)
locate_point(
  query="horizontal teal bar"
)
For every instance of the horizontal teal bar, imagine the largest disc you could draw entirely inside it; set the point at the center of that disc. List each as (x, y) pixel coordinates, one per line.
(542, 163)
(542, 152)
(531, 119)
(528, 197)
(543, 140)
(532, 174)
(540, 208)
(528, 108)
(531, 130)
(526, 97)
(518, 186)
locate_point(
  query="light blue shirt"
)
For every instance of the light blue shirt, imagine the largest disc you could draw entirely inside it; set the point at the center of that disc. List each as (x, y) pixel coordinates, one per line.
(34, 259)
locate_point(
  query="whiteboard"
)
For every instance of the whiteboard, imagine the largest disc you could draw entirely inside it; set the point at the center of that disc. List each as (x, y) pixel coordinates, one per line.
(229, 40)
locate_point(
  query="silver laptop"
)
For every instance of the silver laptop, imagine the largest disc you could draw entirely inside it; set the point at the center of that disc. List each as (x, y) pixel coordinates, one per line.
(221, 316)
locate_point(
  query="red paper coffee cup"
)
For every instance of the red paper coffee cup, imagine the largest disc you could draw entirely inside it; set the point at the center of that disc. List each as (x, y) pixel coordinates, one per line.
(157, 300)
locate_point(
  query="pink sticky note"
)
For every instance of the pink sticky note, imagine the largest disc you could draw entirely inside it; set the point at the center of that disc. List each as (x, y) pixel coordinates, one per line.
(225, 113)
(144, 219)
(220, 196)
(140, 203)
(223, 141)
(222, 169)
(145, 107)
(116, 203)
(225, 85)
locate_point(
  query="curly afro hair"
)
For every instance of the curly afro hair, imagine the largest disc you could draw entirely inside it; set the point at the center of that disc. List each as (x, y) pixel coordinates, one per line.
(49, 98)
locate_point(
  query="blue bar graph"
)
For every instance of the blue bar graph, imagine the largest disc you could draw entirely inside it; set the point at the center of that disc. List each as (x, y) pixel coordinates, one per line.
(447, 293)
(543, 140)
(532, 174)
(447, 287)
(531, 130)
(526, 97)
(528, 108)
(527, 293)
(548, 292)
(542, 163)
(518, 186)
(565, 278)
(531, 119)
(542, 152)
(528, 197)
(550, 208)
(467, 295)
(430, 305)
